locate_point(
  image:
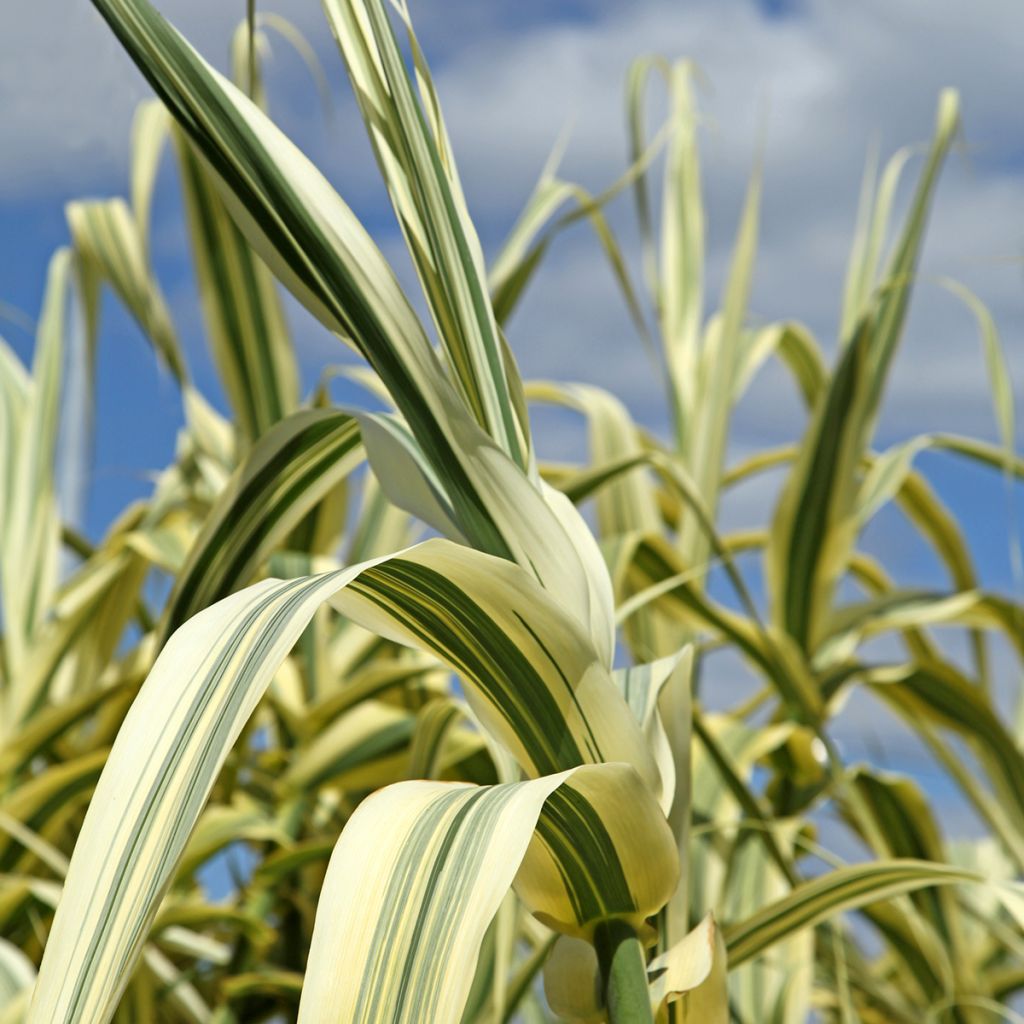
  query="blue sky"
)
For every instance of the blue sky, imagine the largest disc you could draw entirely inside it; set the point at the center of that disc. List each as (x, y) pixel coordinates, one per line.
(818, 81)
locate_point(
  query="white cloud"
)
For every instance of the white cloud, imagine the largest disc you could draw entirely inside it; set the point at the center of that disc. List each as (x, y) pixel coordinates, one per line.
(64, 84)
(817, 86)
(69, 89)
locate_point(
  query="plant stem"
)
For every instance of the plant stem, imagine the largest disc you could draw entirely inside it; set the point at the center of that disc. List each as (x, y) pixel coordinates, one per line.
(623, 973)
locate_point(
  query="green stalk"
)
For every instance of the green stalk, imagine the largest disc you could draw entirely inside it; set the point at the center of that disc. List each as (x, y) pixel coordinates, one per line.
(623, 973)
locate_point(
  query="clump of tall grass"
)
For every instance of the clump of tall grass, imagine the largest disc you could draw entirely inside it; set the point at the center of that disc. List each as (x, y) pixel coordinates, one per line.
(449, 786)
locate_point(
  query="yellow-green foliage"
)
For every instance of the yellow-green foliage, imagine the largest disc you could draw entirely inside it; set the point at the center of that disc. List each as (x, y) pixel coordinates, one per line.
(448, 788)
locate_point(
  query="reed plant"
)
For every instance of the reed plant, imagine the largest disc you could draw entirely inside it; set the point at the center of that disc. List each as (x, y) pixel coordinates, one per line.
(462, 733)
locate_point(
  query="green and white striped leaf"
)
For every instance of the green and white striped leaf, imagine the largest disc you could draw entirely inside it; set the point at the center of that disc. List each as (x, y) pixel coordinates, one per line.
(778, 983)
(642, 686)
(678, 289)
(628, 502)
(938, 693)
(658, 567)
(315, 245)
(706, 430)
(522, 253)
(245, 322)
(290, 470)
(532, 673)
(417, 165)
(435, 725)
(149, 133)
(886, 477)
(837, 891)
(112, 248)
(795, 348)
(297, 222)
(536, 681)
(602, 850)
(894, 818)
(873, 216)
(29, 527)
(816, 521)
(15, 386)
(851, 625)
(353, 743)
(1000, 379)
(398, 932)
